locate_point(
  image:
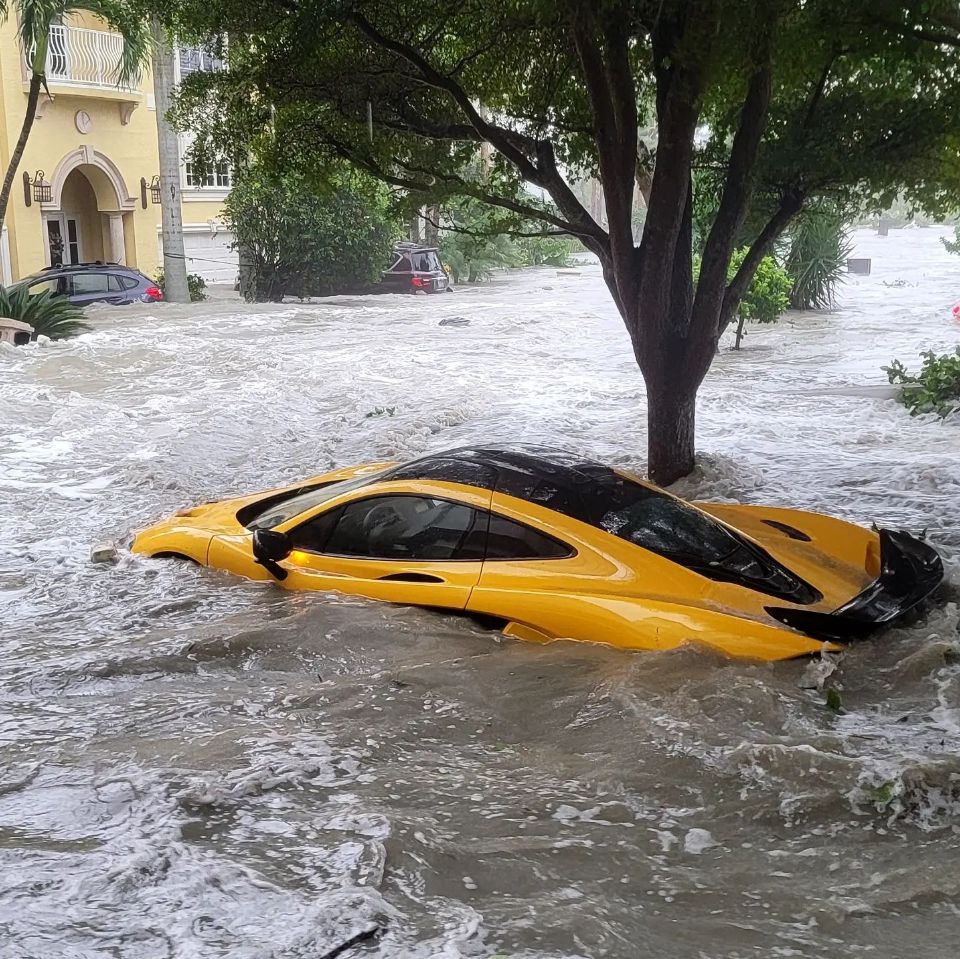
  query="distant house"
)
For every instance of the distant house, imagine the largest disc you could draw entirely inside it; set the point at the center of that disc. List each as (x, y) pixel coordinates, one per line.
(94, 150)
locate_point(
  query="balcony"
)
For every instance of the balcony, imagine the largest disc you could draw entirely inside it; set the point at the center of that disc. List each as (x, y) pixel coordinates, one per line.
(78, 57)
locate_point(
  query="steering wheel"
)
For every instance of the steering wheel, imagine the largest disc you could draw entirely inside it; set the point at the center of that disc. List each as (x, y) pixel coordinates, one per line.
(380, 518)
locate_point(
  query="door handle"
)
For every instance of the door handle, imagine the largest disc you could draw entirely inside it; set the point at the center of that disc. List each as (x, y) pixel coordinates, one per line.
(411, 578)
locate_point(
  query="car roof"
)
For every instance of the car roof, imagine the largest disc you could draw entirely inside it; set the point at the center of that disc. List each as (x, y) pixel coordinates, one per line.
(546, 476)
(408, 247)
(96, 266)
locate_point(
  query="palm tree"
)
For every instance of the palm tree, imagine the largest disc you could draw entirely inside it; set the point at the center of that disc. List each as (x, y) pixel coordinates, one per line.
(35, 19)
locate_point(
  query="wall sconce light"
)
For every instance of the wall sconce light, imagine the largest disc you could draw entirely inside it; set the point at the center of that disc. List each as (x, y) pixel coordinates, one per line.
(36, 189)
(42, 191)
(153, 186)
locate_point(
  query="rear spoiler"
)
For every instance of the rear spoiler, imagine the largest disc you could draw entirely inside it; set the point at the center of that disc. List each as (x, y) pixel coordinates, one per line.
(910, 570)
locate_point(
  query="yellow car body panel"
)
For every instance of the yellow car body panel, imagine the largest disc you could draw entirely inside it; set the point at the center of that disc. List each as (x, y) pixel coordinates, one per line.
(607, 590)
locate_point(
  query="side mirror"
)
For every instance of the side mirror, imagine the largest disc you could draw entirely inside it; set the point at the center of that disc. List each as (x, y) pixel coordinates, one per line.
(269, 547)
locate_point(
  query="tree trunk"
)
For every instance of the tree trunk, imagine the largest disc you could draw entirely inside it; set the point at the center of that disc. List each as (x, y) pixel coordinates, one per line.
(740, 323)
(671, 419)
(176, 289)
(431, 231)
(33, 98)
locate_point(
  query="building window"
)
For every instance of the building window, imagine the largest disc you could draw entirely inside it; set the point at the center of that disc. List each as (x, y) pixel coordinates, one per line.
(198, 60)
(217, 176)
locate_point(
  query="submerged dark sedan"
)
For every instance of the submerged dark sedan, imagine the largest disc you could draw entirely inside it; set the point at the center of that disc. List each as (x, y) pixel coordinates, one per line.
(86, 283)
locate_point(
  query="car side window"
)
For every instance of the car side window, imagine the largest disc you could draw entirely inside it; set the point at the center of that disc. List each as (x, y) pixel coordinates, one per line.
(128, 282)
(401, 528)
(509, 540)
(90, 283)
(45, 286)
(118, 284)
(313, 535)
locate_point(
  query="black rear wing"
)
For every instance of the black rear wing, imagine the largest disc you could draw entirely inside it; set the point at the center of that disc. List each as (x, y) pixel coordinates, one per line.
(910, 570)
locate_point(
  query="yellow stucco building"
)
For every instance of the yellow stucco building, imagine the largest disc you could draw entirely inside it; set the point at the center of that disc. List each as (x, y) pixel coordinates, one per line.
(95, 144)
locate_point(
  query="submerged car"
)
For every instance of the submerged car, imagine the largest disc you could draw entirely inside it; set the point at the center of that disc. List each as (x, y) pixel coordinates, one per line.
(98, 282)
(415, 269)
(550, 545)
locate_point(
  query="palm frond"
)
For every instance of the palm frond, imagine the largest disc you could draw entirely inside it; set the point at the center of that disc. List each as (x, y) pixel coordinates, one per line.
(817, 260)
(49, 315)
(131, 25)
(34, 19)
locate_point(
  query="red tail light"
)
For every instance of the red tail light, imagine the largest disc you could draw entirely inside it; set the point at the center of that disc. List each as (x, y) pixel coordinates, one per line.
(154, 292)
(419, 282)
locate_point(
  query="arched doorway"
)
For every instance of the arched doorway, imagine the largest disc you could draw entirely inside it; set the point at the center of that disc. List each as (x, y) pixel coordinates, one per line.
(75, 233)
(90, 213)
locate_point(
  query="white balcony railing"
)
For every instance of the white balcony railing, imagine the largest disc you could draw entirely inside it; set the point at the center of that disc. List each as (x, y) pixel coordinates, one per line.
(84, 58)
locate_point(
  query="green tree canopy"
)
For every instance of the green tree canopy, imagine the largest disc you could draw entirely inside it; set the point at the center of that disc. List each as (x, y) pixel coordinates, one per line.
(772, 104)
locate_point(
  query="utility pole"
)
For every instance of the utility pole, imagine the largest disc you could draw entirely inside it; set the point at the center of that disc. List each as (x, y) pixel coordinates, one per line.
(174, 260)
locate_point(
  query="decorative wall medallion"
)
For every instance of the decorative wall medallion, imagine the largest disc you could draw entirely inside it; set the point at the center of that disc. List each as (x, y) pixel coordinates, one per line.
(83, 121)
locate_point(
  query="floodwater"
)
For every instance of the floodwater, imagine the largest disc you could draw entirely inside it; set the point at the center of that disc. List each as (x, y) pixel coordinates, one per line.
(196, 766)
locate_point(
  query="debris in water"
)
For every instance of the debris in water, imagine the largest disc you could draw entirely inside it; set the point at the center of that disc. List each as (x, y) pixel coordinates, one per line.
(455, 321)
(352, 941)
(697, 840)
(834, 702)
(104, 553)
(818, 671)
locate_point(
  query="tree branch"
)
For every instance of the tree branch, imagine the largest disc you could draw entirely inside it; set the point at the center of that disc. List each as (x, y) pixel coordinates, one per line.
(609, 82)
(737, 191)
(818, 90)
(680, 85)
(516, 147)
(523, 234)
(790, 205)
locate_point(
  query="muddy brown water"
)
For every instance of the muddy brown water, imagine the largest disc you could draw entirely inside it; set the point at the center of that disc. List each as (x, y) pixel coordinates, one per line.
(196, 766)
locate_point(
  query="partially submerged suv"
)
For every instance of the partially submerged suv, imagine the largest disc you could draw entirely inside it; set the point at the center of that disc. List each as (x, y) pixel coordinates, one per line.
(85, 283)
(415, 269)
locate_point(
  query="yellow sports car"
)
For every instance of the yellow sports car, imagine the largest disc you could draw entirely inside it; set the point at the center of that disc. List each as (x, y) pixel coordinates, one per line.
(555, 546)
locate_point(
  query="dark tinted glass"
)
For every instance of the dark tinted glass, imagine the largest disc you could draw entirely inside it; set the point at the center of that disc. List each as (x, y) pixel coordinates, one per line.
(402, 528)
(277, 510)
(90, 283)
(127, 282)
(664, 525)
(509, 540)
(447, 470)
(313, 535)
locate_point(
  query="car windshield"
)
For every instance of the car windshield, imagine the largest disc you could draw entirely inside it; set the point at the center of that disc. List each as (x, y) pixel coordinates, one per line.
(278, 512)
(665, 525)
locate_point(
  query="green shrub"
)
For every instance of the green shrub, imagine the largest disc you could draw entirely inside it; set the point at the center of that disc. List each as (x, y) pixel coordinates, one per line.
(301, 238)
(49, 315)
(546, 250)
(935, 389)
(953, 246)
(478, 240)
(768, 296)
(819, 247)
(471, 259)
(196, 284)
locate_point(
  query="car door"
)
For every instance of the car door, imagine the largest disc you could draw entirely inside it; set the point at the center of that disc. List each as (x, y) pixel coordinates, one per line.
(55, 285)
(546, 581)
(397, 278)
(92, 287)
(423, 550)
